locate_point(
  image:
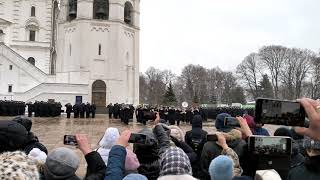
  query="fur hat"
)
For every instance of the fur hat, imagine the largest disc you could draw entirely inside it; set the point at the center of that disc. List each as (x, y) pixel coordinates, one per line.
(61, 163)
(17, 165)
(175, 162)
(221, 168)
(177, 132)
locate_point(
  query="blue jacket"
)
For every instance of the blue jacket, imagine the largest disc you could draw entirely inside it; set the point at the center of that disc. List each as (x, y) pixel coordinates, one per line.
(116, 163)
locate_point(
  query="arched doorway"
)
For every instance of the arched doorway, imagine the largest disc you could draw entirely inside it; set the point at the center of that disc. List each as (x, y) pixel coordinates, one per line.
(99, 93)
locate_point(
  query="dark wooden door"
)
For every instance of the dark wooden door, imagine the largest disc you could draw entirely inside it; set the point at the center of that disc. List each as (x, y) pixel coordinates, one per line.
(99, 93)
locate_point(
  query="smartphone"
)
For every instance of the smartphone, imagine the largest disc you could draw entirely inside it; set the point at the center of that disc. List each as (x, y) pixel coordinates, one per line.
(70, 140)
(138, 138)
(212, 137)
(279, 112)
(231, 122)
(270, 145)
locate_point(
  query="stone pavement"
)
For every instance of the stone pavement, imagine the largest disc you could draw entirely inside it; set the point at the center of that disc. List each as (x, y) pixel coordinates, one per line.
(50, 131)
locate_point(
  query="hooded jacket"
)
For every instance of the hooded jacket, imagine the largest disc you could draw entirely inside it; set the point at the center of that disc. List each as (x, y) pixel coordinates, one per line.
(196, 134)
(211, 150)
(148, 156)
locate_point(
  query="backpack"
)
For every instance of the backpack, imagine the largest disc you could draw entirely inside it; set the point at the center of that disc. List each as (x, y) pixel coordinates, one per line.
(197, 143)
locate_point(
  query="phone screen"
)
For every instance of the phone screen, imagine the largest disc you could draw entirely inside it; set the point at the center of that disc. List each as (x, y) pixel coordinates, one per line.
(289, 113)
(271, 145)
(231, 122)
(70, 140)
(138, 138)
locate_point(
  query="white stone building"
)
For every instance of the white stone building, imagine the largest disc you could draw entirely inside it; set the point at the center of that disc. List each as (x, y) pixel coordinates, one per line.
(70, 50)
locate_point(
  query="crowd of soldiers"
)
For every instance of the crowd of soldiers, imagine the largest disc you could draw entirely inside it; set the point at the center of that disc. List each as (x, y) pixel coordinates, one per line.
(44, 109)
(170, 115)
(122, 111)
(12, 108)
(81, 110)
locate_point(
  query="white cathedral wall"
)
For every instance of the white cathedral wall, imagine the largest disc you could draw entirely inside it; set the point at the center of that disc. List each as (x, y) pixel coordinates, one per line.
(20, 80)
(17, 35)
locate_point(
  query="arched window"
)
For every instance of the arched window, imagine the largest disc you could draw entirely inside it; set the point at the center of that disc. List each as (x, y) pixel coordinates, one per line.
(72, 14)
(99, 51)
(101, 9)
(128, 13)
(31, 60)
(33, 11)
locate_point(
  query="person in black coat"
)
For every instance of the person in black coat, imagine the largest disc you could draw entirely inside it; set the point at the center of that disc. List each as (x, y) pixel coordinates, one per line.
(30, 109)
(126, 115)
(82, 109)
(76, 110)
(93, 110)
(87, 108)
(68, 110)
(116, 111)
(178, 116)
(309, 169)
(196, 138)
(172, 116)
(189, 116)
(110, 110)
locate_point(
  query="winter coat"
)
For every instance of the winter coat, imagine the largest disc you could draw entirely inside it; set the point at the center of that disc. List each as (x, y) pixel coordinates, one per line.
(148, 156)
(211, 150)
(196, 138)
(309, 170)
(115, 167)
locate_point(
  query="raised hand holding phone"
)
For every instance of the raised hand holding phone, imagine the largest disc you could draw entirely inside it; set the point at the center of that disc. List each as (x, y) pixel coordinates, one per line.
(124, 138)
(312, 108)
(222, 142)
(83, 143)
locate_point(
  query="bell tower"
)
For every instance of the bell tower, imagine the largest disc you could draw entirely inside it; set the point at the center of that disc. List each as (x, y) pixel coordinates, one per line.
(98, 41)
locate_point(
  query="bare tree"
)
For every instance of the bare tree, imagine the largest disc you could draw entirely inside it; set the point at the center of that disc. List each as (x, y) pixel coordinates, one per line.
(156, 86)
(249, 71)
(274, 57)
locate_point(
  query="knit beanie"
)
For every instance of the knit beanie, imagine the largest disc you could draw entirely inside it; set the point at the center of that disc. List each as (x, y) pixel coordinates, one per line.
(135, 177)
(17, 165)
(175, 162)
(61, 162)
(221, 168)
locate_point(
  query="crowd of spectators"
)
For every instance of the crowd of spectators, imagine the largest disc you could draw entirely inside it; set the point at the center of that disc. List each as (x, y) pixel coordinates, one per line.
(168, 153)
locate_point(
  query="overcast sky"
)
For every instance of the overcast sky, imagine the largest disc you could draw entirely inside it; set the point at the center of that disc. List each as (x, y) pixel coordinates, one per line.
(221, 33)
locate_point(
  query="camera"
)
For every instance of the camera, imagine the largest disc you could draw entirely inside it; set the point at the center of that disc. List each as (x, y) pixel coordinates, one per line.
(138, 138)
(70, 140)
(279, 112)
(231, 122)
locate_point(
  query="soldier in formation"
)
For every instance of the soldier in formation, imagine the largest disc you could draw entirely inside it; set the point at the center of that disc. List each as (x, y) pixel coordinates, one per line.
(12, 108)
(44, 109)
